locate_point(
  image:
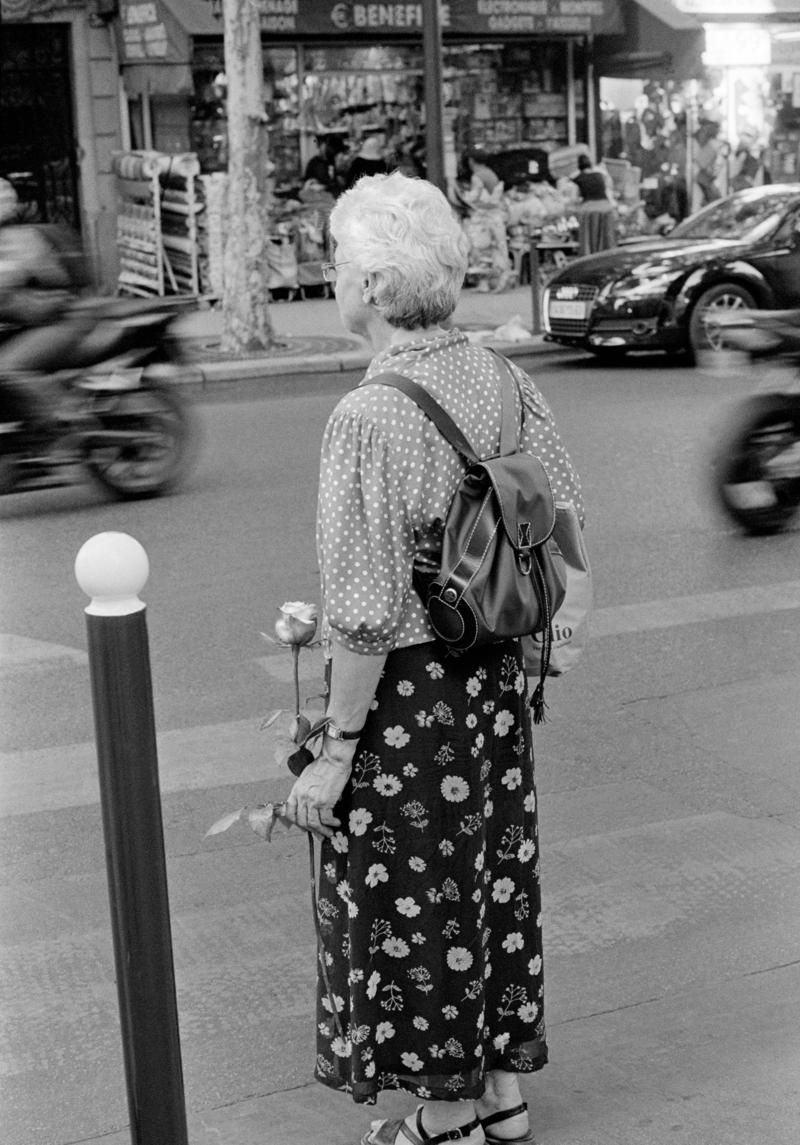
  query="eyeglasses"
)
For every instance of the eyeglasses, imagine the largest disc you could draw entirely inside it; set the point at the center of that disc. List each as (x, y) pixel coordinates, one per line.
(329, 269)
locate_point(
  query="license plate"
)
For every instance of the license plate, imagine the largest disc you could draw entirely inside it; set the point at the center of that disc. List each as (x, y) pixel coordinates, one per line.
(560, 309)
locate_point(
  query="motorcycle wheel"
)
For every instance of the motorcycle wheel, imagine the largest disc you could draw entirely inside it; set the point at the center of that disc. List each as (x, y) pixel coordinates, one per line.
(157, 449)
(758, 500)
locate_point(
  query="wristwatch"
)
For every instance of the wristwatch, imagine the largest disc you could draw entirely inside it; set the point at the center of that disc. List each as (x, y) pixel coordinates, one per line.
(335, 732)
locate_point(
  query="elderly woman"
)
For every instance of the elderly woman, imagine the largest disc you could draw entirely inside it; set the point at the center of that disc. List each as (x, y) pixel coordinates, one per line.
(424, 790)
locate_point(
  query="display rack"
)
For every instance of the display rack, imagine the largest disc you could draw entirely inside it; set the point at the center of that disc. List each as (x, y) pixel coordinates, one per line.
(160, 200)
(141, 264)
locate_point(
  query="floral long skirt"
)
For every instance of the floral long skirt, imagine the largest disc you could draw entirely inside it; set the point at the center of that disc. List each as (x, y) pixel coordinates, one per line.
(429, 901)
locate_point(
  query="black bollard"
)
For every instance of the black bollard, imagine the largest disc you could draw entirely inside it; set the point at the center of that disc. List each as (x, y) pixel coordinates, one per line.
(112, 569)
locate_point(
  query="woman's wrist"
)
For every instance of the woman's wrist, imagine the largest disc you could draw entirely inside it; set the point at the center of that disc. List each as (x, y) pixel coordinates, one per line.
(339, 752)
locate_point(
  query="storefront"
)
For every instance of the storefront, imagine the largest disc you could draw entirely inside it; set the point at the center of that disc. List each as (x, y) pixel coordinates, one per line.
(515, 75)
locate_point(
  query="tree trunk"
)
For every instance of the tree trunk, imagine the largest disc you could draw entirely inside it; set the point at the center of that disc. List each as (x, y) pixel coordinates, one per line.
(246, 322)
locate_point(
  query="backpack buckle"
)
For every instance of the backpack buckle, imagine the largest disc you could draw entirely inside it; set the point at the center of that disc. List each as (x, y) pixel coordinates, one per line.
(524, 558)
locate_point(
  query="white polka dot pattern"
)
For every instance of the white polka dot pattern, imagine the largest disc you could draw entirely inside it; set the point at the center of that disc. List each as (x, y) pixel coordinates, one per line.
(387, 477)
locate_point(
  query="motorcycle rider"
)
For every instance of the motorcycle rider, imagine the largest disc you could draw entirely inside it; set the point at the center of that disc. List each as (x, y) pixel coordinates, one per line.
(37, 330)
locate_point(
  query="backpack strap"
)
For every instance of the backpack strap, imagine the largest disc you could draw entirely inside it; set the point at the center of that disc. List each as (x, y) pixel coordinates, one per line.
(509, 439)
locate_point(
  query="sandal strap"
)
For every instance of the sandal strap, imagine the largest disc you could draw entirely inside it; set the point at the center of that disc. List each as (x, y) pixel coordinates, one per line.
(450, 1135)
(504, 1115)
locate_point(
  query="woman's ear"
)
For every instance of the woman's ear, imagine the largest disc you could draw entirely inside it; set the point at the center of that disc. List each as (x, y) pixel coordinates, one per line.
(368, 285)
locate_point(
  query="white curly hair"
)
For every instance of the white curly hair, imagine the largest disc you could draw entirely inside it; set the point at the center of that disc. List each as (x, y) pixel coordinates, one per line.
(404, 235)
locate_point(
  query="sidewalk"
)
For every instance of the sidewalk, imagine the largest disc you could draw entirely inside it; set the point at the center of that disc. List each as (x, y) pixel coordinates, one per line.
(310, 342)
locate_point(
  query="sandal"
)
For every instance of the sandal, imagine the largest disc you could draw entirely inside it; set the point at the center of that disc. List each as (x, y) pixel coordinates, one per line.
(389, 1133)
(506, 1115)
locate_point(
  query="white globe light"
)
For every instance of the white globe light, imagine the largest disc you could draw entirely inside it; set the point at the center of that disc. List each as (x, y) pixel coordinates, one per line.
(112, 569)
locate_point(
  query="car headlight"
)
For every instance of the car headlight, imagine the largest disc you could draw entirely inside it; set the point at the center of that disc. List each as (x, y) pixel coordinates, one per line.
(644, 286)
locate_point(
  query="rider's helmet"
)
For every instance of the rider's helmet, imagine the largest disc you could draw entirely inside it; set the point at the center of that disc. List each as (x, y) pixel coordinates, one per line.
(9, 202)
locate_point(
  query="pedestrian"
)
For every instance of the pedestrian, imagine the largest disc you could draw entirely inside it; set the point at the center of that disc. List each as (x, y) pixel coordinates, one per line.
(597, 217)
(429, 901)
(321, 167)
(368, 160)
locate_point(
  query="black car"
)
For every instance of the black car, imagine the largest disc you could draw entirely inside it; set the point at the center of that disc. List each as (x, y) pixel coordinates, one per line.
(653, 294)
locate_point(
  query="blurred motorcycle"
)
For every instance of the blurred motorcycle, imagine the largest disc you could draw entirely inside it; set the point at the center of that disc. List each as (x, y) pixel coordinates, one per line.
(757, 462)
(116, 414)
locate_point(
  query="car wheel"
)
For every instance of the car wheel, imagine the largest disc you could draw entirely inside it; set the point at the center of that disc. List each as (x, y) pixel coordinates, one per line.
(721, 299)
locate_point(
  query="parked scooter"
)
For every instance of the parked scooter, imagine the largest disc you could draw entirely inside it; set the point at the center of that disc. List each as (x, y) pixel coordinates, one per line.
(757, 463)
(116, 414)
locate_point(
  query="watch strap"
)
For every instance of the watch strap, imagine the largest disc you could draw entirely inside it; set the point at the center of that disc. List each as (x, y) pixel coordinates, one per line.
(335, 732)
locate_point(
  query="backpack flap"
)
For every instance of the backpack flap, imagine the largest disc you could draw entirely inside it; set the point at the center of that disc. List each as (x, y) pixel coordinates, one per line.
(524, 498)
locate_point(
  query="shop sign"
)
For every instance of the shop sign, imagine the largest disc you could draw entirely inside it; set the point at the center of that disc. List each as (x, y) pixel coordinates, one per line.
(480, 18)
(145, 37)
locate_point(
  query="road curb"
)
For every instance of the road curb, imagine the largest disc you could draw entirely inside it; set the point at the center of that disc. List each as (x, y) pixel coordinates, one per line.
(283, 375)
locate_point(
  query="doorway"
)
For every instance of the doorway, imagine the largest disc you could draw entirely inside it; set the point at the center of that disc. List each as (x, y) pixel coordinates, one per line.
(37, 137)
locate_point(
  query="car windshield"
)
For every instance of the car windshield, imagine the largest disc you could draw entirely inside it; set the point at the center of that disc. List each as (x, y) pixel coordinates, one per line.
(738, 217)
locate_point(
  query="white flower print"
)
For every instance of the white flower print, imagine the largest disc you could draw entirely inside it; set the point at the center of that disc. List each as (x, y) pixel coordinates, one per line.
(434, 670)
(421, 1023)
(503, 721)
(377, 873)
(527, 849)
(513, 942)
(473, 686)
(519, 683)
(405, 688)
(369, 1069)
(472, 720)
(476, 895)
(411, 1061)
(512, 778)
(459, 958)
(340, 842)
(337, 1001)
(479, 740)
(502, 890)
(410, 770)
(450, 1012)
(535, 965)
(387, 784)
(417, 864)
(360, 819)
(418, 937)
(454, 788)
(330, 871)
(355, 975)
(372, 985)
(528, 1012)
(446, 847)
(423, 719)
(408, 907)
(397, 948)
(341, 1047)
(530, 802)
(488, 809)
(443, 713)
(480, 859)
(501, 1041)
(488, 707)
(398, 736)
(384, 1031)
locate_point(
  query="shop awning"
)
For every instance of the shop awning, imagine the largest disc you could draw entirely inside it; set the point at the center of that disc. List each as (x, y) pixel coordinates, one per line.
(155, 43)
(660, 42)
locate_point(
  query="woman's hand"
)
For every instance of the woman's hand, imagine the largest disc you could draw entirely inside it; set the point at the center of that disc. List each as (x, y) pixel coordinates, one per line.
(316, 792)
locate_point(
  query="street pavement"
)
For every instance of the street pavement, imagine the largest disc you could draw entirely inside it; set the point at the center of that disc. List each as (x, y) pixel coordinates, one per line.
(311, 347)
(670, 812)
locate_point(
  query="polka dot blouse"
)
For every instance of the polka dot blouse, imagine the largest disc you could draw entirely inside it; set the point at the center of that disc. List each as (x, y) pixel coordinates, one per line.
(387, 477)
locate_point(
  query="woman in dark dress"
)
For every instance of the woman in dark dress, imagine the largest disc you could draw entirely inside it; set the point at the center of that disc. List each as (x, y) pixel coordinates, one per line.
(429, 902)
